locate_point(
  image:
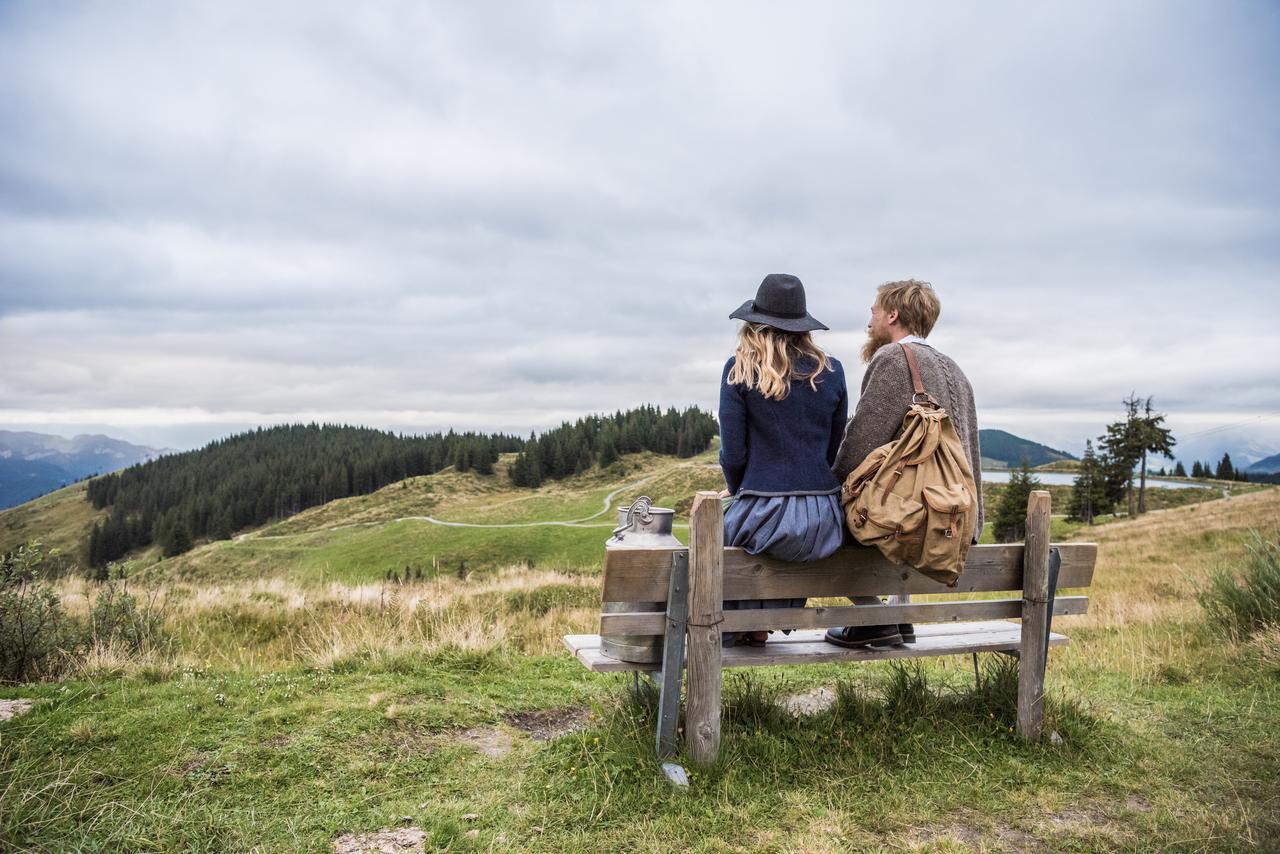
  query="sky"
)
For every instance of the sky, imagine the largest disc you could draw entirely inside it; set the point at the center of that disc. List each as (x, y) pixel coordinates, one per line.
(498, 216)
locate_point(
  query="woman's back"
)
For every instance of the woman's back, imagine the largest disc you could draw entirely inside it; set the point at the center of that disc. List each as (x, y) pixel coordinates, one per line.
(783, 446)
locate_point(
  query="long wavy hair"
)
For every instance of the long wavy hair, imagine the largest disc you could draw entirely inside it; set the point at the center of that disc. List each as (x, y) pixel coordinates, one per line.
(767, 357)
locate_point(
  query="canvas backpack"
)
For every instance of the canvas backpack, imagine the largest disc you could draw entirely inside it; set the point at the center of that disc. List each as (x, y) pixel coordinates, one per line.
(914, 498)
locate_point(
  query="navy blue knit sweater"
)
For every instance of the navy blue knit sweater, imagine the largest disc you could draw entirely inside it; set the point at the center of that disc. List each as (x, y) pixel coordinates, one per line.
(783, 447)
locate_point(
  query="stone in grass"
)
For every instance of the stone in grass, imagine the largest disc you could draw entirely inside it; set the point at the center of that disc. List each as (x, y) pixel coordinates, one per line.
(401, 840)
(676, 775)
(10, 709)
(809, 702)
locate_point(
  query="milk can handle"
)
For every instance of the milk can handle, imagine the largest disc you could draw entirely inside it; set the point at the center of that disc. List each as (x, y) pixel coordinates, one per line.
(641, 505)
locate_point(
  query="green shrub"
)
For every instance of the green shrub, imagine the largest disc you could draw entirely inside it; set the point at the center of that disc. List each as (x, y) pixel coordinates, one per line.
(116, 620)
(37, 638)
(1247, 600)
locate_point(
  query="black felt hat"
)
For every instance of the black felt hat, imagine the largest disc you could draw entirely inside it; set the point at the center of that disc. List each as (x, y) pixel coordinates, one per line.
(779, 303)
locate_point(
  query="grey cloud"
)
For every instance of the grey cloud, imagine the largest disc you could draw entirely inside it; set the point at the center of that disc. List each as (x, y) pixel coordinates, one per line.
(507, 214)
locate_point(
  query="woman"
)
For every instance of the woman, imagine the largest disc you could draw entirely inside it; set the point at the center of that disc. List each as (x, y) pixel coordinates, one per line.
(783, 407)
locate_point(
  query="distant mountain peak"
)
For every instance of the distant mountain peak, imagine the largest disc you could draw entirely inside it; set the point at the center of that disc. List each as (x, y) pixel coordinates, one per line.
(36, 463)
(1002, 446)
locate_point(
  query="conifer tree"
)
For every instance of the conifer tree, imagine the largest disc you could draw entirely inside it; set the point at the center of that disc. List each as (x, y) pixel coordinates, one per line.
(1010, 522)
(1089, 492)
(1225, 470)
(1196, 469)
(1179, 471)
(1154, 438)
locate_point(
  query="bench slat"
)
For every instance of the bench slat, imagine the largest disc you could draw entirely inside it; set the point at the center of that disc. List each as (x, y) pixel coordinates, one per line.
(641, 575)
(807, 647)
(654, 623)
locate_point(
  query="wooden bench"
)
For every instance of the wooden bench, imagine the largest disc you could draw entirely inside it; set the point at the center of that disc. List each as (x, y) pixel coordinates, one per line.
(694, 581)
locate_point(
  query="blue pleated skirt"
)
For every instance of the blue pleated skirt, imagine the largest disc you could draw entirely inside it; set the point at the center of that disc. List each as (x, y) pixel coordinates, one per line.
(789, 527)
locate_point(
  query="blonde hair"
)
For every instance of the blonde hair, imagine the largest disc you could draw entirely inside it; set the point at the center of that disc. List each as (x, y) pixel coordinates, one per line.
(914, 301)
(766, 360)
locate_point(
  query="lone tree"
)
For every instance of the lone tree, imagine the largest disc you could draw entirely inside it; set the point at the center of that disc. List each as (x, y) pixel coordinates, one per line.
(1010, 523)
(1155, 439)
(1126, 445)
(1089, 492)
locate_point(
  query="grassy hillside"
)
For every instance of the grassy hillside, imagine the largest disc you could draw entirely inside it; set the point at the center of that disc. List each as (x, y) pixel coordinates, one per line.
(60, 520)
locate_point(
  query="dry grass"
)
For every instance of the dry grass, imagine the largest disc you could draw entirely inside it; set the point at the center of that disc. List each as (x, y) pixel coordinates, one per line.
(271, 622)
(1149, 569)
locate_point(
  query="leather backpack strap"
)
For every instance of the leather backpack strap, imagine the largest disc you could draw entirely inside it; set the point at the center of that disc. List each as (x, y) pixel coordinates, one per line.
(916, 383)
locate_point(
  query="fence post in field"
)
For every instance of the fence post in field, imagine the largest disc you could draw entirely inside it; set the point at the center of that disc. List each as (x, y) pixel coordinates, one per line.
(706, 594)
(1035, 617)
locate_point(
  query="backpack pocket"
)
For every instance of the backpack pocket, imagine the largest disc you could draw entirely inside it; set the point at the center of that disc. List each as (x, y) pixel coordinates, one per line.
(893, 522)
(949, 531)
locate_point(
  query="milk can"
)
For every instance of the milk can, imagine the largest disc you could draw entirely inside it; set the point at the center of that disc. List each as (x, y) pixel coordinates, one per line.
(640, 526)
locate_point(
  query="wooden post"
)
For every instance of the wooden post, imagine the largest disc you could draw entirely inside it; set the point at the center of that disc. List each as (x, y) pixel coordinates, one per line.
(706, 596)
(673, 655)
(1035, 616)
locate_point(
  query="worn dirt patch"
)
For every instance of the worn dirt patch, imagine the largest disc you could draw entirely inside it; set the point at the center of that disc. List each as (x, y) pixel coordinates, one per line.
(489, 741)
(547, 724)
(1137, 803)
(809, 702)
(10, 709)
(400, 840)
(279, 741)
(1002, 837)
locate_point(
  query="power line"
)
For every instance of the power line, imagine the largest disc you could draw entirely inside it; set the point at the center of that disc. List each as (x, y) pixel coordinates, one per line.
(1222, 427)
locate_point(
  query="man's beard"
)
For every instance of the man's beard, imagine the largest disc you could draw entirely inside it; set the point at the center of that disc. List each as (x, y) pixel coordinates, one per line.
(875, 340)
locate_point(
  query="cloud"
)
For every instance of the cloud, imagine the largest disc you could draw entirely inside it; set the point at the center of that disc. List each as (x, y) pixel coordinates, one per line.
(500, 216)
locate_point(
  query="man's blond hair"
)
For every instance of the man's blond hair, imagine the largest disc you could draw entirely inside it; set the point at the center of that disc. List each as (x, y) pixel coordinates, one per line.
(914, 301)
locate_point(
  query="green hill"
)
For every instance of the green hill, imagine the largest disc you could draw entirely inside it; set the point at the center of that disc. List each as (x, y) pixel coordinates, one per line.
(439, 523)
(1005, 450)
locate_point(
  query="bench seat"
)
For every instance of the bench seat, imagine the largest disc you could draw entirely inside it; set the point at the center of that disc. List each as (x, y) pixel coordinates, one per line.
(806, 646)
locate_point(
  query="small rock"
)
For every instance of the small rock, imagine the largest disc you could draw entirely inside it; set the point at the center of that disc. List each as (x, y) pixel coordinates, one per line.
(13, 708)
(809, 702)
(537, 828)
(471, 834)
(676, 775)
(406, 819)
(471, 816)
(1055, 739)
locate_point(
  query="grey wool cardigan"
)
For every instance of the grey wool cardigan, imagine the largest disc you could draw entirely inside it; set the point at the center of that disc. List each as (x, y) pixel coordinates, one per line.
(886, 397)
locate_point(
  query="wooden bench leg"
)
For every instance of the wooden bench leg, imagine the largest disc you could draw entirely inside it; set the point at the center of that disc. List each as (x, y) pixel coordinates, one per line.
(706, 598)
(1035, 617)
(673, 655)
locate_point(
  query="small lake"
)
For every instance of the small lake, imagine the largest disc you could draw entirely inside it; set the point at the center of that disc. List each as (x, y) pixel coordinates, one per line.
(1063, 478)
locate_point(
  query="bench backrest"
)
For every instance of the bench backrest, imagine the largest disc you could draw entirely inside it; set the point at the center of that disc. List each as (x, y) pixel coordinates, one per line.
(643, 576)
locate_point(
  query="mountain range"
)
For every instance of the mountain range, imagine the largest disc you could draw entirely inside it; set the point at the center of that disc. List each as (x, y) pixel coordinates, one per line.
(32, 464)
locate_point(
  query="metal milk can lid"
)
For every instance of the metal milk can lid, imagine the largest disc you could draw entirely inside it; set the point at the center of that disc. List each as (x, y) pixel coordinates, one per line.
(643, 526)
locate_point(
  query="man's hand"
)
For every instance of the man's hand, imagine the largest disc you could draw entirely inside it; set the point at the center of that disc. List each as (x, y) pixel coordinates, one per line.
(724, 493)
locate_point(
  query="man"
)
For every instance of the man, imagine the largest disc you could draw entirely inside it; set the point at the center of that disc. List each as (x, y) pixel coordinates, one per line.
(904, 312)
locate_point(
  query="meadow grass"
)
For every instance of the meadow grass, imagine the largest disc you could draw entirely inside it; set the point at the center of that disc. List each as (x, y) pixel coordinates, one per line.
(290, 712)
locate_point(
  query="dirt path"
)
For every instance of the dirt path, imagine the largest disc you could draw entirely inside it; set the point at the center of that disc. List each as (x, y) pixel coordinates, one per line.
(567, 523)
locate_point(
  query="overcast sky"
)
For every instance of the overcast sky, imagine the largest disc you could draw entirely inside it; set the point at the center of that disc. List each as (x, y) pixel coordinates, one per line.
(498, 216)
